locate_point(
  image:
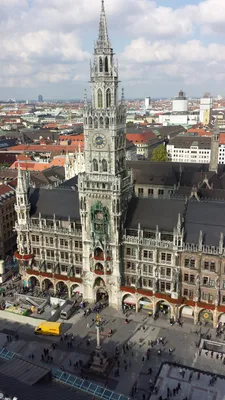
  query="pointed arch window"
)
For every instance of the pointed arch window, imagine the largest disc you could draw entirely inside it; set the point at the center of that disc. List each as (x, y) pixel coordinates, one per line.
(106, 65)
(95, 165)
(96, 123)
(101, 122)
(100, 65)
(104, 166)
(108, 98)
(100, 102)
(90, 122)
(107, 122)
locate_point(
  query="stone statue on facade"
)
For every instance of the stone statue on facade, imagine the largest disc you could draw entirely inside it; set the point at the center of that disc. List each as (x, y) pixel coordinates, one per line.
(175, 280)
(217, 285)
(138, 283)
(197, 284)
(155, 285)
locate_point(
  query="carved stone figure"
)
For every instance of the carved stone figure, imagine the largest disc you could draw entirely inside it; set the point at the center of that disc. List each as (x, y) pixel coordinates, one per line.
(197, 284)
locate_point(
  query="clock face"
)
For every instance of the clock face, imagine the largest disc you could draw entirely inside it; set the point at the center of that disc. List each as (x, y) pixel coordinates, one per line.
(99, 141)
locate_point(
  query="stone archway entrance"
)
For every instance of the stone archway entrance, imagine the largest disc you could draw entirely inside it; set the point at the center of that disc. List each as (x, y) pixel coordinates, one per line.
(33, 282)
(221, 319)
(163, 308)
(187, 312)
(62, 289)
(206, 316)
(128, 302)
(75, 291)
(101, 291)
(145, 304)
(47, 285)
(102, 295)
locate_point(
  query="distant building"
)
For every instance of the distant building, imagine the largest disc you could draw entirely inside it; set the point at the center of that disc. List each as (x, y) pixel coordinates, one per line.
(148, 103)
(180, 115)
(205, 115)
(180, 103)
(190, 149)
(40, 98)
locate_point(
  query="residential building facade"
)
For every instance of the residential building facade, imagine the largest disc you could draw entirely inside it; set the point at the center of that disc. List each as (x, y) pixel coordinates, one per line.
(7, 220)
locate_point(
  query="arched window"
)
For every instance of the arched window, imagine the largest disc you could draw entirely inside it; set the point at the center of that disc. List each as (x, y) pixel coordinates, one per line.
(101, 122)
(107, 122)
(100, 105)
(108, 98)
(100, 65)
(96, 122)
(104, 166)
(106, 65)
(117, 166)
(95, 165)
(90, 122)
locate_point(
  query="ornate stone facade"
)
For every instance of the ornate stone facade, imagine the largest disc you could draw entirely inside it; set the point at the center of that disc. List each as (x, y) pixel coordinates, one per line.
(105, 187)
(149, 252)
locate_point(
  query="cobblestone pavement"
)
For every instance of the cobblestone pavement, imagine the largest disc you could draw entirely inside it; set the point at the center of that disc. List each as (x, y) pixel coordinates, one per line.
(182, 340)
(191, 386)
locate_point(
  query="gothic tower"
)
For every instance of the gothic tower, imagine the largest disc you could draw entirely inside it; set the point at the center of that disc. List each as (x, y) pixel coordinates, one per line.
(213, 165)
(105, 187)
(22, 208)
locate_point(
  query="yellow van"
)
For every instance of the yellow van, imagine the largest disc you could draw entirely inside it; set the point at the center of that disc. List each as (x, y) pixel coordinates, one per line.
(49, 328)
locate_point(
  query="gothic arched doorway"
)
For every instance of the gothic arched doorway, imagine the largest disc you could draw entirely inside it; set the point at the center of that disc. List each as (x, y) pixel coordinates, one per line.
(101, 291)
(33, 282)
(102, 295)
(47, 284)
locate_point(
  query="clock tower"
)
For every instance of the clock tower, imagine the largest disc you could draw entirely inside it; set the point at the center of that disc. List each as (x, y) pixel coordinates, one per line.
(105, 187)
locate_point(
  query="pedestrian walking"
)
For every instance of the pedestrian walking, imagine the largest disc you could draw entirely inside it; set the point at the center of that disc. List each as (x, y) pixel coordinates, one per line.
(190, 376)
(198, 376)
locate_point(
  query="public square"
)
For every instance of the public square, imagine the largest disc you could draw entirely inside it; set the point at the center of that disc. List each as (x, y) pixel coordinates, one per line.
(132, 340)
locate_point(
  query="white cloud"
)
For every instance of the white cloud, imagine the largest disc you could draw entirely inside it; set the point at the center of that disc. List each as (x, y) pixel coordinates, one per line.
(43, 41)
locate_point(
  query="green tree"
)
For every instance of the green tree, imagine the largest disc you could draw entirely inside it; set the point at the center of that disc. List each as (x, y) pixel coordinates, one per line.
(159, 153)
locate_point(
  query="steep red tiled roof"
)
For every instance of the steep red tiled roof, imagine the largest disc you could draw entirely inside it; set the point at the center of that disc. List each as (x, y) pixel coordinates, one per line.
(222, 138)
(140, 137)
(45, 148)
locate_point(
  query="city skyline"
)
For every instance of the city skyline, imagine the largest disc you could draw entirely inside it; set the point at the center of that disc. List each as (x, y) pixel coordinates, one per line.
(160, 47)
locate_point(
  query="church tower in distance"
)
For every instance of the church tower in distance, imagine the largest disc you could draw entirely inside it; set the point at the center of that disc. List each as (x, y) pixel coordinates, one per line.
(105, 187)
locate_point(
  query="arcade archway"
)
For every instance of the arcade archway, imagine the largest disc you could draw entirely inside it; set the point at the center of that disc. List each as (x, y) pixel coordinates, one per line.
(145, 304)
(61, 289)
(163, 308)
(47, 285)
(206, 316)
(75, 291)
(128, 302)
(33, 282)
(186, 312)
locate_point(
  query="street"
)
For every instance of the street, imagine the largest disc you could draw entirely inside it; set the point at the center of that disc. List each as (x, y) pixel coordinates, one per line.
(138, 333)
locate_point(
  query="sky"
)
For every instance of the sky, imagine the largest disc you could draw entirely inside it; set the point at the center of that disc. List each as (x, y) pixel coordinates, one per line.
(161, 46)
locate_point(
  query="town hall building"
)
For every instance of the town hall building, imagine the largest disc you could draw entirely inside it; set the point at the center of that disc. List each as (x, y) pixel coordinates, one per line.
(100, 239)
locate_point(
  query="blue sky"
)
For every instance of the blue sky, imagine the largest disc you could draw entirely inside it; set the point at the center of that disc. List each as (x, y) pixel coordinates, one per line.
(162, 46)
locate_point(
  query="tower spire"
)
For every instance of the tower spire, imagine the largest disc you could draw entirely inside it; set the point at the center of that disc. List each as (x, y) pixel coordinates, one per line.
(103, 39)
(20, 180)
